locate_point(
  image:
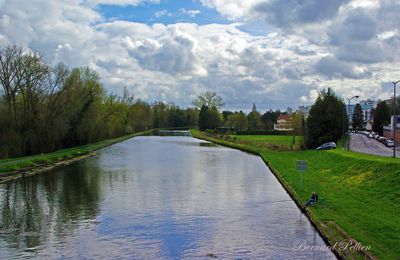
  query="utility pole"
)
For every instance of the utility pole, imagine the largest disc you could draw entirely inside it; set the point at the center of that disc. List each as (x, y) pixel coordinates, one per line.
(394, 121)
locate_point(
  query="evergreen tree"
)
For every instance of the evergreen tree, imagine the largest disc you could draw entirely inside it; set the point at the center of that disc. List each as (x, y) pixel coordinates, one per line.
(254, 119)
(203, 118)
(326, 119)
(381, 117)
(358, 118)
(269, 118)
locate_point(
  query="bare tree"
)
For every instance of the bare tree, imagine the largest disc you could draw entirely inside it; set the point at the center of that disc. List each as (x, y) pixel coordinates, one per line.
(209, 99)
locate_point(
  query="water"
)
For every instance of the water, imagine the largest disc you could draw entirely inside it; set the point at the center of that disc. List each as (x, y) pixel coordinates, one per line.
(156, 197)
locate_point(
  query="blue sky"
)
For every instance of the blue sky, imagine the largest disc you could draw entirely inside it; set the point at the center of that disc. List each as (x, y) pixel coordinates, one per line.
(165, 12)
(179, 11)
(270, 52)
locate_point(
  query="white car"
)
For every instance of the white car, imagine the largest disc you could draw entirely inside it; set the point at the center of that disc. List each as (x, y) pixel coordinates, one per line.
(389, 143)
(382, 139)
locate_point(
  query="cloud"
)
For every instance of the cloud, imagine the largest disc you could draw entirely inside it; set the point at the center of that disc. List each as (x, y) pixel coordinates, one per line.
(352, 48)
(331, 68)
(191, 13)
(232, 9)
(161, 13)
(173, 55)
(293, 13)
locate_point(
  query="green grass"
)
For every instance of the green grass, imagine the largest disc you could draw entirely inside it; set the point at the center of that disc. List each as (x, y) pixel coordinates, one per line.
(273, 139)
(271, 142)
(361, 192)
(22, 163)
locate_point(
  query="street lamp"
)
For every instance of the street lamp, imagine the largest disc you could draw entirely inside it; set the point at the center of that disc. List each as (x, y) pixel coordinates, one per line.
(394, 122)
(347, 135)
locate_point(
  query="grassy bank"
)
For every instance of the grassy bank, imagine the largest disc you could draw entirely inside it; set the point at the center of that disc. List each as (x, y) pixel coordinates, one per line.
(361, 197)
(12, 166)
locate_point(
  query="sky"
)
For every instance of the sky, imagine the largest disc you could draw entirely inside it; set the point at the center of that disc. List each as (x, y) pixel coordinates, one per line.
(273, 53)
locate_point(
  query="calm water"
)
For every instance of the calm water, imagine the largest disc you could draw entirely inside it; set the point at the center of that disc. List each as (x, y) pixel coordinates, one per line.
(154, 197)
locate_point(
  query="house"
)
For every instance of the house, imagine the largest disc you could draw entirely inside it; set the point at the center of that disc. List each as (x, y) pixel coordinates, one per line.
(283, 123)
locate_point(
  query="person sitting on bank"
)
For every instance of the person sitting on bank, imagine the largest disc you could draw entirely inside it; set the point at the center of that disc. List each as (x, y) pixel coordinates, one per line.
(313, 199)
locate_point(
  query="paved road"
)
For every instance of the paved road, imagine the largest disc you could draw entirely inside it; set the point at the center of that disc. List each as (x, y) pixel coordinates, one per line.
(361, 143)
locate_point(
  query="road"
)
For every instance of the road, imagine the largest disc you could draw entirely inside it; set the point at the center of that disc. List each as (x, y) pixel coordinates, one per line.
(362, 144)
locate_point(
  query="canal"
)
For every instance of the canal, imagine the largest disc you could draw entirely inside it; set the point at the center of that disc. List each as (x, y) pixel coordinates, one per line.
(156, 197)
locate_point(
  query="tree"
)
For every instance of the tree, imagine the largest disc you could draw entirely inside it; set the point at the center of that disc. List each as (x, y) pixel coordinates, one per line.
(160, 111)
(203, 118)
(176, 117)
(208, 99)
(358, 118)
(225, 115)
(325, 122)
(214, 118)
(269, 118)
(253, 119)
(381, 117)
(209, 118)
(45, 108)
(238, 120)
(192, 116)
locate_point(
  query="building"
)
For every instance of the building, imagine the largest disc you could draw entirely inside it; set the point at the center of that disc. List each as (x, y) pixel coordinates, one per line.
(304, 111)
(367, 106)
(387, 130)
(289, 110)
(283, 123)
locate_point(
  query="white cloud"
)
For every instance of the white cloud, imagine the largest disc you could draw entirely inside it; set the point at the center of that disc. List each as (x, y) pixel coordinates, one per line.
(233, 9)
(161, 13)
(191, 13)
(353, 48)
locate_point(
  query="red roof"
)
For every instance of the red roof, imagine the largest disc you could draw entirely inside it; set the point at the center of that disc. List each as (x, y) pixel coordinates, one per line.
(283, 117)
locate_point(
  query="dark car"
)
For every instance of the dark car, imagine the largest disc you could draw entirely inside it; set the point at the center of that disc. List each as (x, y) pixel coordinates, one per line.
(327, 146)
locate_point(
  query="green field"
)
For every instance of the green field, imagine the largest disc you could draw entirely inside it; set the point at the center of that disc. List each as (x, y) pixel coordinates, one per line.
(272, 139)
(360, 192)
(270, 142)
(21, 163)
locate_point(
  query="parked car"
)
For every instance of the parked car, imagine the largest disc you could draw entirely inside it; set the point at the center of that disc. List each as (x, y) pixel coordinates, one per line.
(376, 137)
(389, 143)
(327, 146)
(382, 139)
(370, 136)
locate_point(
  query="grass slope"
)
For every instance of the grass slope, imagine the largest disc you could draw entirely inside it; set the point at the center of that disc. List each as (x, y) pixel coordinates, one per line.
(360, 192)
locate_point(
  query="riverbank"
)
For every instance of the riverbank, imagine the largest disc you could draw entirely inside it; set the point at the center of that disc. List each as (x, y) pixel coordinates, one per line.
(15, 168)
(359, 195)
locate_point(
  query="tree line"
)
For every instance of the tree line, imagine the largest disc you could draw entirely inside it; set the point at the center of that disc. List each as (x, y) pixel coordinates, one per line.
(44, 108)
(327, 120)
(209, 104)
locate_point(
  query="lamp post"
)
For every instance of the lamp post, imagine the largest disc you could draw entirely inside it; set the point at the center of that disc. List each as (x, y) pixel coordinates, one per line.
(347, 135)
(394, 122)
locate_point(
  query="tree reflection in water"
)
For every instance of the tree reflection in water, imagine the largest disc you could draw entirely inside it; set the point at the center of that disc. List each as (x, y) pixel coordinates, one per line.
(36, 208)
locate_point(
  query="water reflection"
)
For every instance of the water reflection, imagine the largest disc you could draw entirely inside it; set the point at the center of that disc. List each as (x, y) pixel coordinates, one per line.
(155, 197)
(34, 208)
